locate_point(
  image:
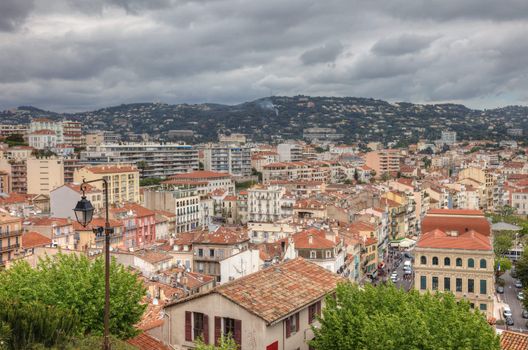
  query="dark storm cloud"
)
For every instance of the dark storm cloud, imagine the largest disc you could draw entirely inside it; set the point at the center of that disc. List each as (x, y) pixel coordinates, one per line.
(80, 54)
(323, 54)
(13, 12)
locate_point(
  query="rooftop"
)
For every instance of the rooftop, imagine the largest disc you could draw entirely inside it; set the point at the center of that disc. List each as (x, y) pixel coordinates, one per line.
(470, 240)
(34, 239)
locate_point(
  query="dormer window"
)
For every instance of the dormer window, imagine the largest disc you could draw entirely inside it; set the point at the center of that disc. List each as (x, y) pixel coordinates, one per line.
(328, 254)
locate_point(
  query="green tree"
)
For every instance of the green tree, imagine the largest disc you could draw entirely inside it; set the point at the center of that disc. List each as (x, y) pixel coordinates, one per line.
(76, 283)
(225, 343)
(522, 267)
(151, 181)
(387, 318)
(427, 162)
(502, 242)
(505, 265)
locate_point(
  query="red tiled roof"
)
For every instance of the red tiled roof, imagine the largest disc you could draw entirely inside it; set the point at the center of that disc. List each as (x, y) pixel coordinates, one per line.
(50, 221)
(34, 239)
(312, 238)
(470, 240)
(278, 291)
(144, 341)
(456, 220)
(513, 341)
(96, 222)
(222, 235)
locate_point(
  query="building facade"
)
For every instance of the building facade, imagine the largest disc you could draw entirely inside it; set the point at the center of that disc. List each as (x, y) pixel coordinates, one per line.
(44, 175)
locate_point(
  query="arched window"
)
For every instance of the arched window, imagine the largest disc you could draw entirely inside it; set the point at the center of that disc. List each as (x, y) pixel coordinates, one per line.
(471, 262)
(482, 263)
(423, 260)
(447, 261)
(459, 262)
(435, 260)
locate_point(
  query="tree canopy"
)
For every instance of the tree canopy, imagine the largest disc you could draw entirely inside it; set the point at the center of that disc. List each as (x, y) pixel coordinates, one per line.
(502, 242)
(76, 283)
(386, 318)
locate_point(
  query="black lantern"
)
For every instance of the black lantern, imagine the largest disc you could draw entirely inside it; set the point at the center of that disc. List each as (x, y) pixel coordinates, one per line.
(84, 211)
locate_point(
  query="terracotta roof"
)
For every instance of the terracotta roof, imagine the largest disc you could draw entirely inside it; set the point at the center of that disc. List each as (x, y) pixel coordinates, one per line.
(312, 238)
(456, 220)
(144, 341)
(201, 174)
(230, 198)
(514, 341)
(34, 239)
(96, 222)
(77, 187)
(50, 221)
(152, 257)
(222, 235)
(109, 169)
(470, 240)
(278, 291)
(44, 132)
(138, 210)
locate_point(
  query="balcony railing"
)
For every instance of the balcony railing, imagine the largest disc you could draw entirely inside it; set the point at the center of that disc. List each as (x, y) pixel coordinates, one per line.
(9, 247)
(10, 233)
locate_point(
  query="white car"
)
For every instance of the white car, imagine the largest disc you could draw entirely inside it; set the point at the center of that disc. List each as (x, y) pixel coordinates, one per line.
(520, 296)
(394, 277)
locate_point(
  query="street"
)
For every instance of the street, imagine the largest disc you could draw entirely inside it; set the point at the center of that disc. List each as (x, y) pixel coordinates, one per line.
(406, 284)
(510, 298)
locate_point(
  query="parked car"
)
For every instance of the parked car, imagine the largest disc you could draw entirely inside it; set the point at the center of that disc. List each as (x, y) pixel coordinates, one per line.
(513, 272)
(507, 311)
(525, 314)
(500, 289)
(518, 283)
(520, 296)
(509, 321)
(407, 271)
(394, 277)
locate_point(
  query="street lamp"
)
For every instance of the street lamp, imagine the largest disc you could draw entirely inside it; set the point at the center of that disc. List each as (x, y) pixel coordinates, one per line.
(84, 214)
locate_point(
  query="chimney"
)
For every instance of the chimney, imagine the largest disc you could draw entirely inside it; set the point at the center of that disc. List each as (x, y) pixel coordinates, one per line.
(310, 239)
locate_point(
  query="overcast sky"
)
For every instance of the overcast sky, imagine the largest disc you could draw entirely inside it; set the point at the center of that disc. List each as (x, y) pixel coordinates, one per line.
(70, 55)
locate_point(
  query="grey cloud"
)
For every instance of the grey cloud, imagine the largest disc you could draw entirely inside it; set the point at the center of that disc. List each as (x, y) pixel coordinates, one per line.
(402, 44)
(323, 54)
(14, 12)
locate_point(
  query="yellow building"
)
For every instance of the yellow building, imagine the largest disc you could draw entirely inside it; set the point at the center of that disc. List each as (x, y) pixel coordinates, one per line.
(44, 175)
(10, 237)
(123, 181)
(457, 262)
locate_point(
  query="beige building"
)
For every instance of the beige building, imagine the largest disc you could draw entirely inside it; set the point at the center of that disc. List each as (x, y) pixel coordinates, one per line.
(10, 237)
(457, 262)
(264, 310)
(44, 175)
(383, 161)
(123, 181)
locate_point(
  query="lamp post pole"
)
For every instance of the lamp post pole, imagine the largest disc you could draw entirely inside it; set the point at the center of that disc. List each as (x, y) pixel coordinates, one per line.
(107, 232)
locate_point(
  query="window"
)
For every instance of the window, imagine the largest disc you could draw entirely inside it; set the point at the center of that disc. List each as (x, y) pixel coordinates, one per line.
(471, 286)
(200, 252)
(435, 260)
(423, 282)
(423, 260)
(328, 254)
(482, 263)
(471, 262)
(458, 262)
(211, 253)
(483, 307)
(459, 284)
(313, 310)
(198, 323)
(483, 287)
(292, 325)
(447, 284)
(447, 261)
(435, 283)
(229, 326)
(313, 254)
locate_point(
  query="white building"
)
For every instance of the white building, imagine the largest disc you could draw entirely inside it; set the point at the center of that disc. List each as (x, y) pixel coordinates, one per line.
(265, 203)
(42, 139)
(239, 265)
(289, 152)
(153, 159)
(61, 199)
(231, 158)
(448, 138)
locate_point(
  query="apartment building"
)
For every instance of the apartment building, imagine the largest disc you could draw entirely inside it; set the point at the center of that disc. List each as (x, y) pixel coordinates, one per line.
(154, 160)
(303, 171)
(42, 139)
(203, 181)
(72, 133)
(231, 158)
(264, 310)
(63, 198)
(260, 159)
(44, 175)
(13, 129)
(322, 247)
(183, 202)
(211, 247)
(59, 230)
(460, 262)
(123, 181)
(267, 203)
(386, 161)
(289, 152)
(56, 127)
(139, 224)
(10, 237)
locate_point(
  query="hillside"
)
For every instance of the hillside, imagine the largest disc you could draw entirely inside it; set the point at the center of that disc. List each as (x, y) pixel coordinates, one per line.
(359, 119)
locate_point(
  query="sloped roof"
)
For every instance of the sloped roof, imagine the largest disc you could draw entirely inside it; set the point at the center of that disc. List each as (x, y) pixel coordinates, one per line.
(278, 291)
(456, 220)
(470, 240)
(143, 341)
(514, 341)
(312, 238)
(34, 239)
(222, 235)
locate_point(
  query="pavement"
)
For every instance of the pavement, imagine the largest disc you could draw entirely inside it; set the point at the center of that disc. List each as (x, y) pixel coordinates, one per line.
(510, 297)
(396, 264)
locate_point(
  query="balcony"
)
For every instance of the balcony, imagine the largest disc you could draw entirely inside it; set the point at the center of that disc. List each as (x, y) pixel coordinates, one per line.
(10, 233)
(9, 247)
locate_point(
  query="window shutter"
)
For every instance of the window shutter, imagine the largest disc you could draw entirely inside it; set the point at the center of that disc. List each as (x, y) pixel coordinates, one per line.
(310, 314)
(288, 328)
(188, 326)
(218, 330)
(238, 333)
(206, 329)
(318, 308)
(297, 321)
